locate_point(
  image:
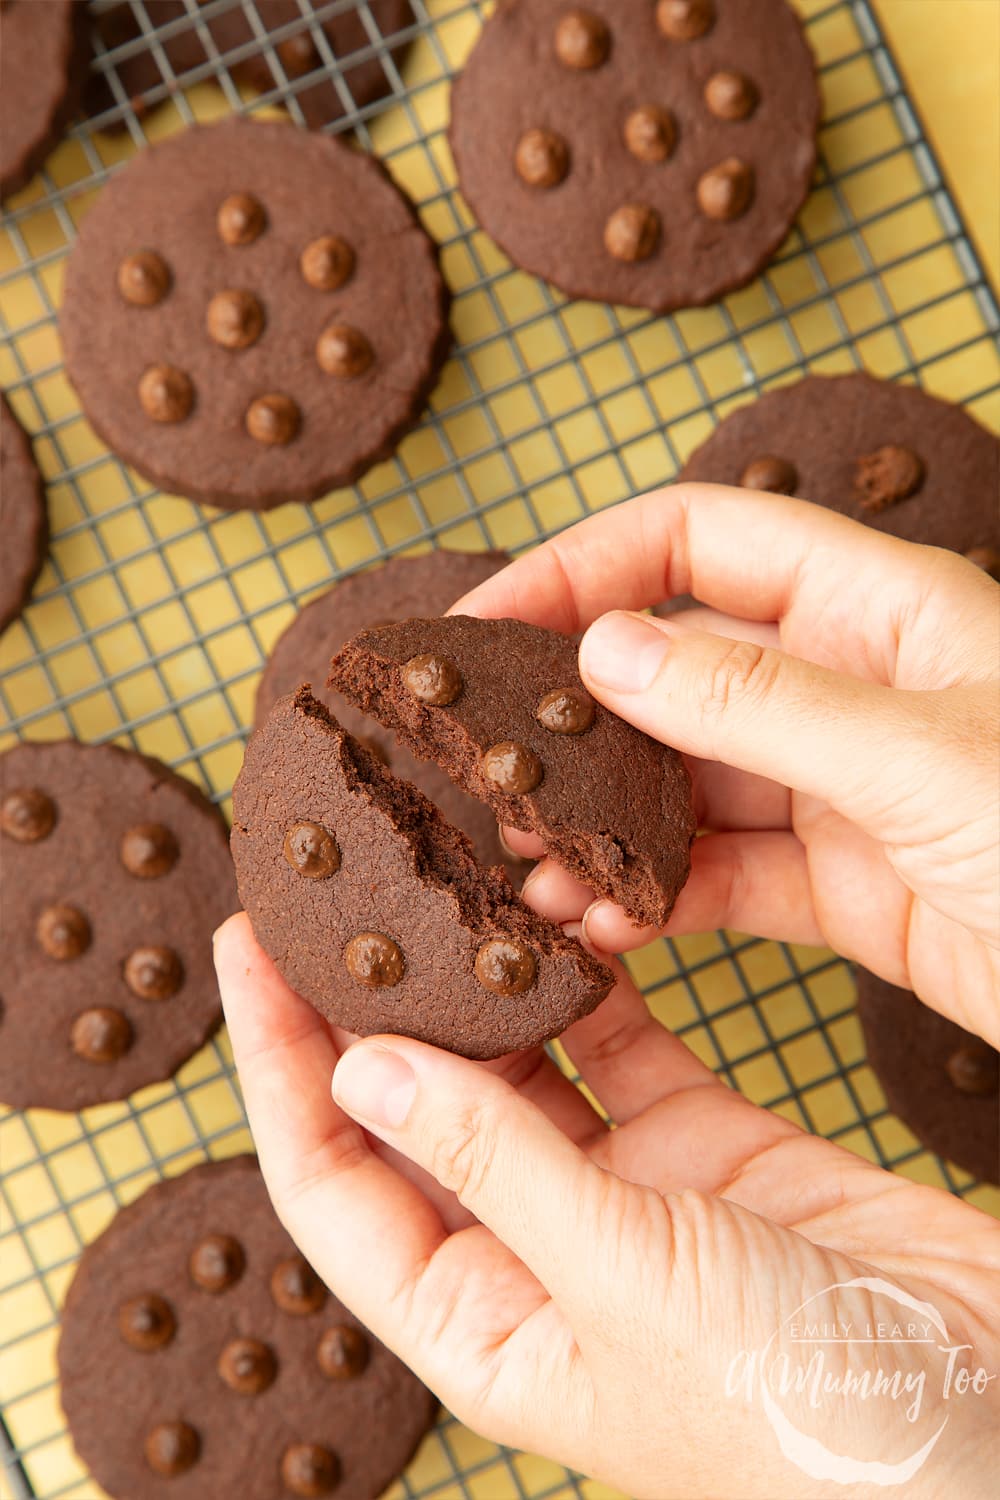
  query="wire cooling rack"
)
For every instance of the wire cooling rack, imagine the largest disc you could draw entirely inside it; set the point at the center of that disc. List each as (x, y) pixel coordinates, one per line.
(153, 617)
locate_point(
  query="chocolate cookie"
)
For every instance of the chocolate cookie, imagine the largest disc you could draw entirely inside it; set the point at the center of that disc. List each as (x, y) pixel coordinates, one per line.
(24, 527)
(253, 314)
(402, 587)
(374, 908)
(500, 705)
(201, 1356)
(943, 1082)
(649, 154)
(43, 62)
(886, 454)
(267, 64)
(114, 873)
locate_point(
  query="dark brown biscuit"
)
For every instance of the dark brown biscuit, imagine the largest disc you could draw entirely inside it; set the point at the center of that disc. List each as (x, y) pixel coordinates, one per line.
(231, 403)
(400, 588)
(114, 873)
(611, 804)
(43, 61)
(24, 527)
(943, 1082)
(886, 454)
(629, 155)
(266, 64)
(374, 909)
(174, 1387)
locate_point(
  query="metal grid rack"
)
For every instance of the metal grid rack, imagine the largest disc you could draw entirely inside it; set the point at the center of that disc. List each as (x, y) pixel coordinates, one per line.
(153, 617)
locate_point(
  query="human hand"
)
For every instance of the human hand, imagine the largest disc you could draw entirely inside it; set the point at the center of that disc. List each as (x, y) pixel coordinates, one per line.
(583, 1292)
(844, 747)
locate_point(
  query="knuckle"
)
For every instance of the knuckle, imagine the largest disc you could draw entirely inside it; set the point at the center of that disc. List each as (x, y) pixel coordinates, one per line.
(745, 672)
(462, 1152)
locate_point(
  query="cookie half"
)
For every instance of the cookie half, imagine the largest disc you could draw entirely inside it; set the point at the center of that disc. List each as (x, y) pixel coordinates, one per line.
(404, 586)
(943, 1082)
(253, 314)
(374, 908)
(886, 454)
(289, 50)
(648, 154)
(201, 1356)
(500, 706)
(24, 526)
(43, 62)
(114, 873)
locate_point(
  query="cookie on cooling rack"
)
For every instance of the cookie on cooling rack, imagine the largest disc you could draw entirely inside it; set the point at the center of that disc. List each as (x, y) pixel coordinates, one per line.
(253, 314)
(641, 153)
(24, 527)
(402, 587)
(374, 909)
(886, 454)
(201, 1356)
(114, 873)
(43, 62)
(500, 706)
(943, 1082)
(277, 52)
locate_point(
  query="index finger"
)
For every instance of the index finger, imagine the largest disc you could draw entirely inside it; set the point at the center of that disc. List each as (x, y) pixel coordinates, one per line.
(742, 552)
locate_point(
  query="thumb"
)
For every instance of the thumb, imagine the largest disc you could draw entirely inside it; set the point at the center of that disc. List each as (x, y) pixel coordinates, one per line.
(507, 1163)
(868, 750)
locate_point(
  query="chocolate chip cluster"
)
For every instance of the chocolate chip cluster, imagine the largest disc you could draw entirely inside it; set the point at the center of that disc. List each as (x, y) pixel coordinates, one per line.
(235, 319)
(583, 42)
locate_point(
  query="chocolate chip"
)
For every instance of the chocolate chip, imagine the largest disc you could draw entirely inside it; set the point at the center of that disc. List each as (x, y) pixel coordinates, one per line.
(247, 1366)
(343, 351)
(144, 278)
(726, 190)
(632, 232)
(296, 1288)
(566, 711)
(63, 931)
(343, 1352)
(240, 219)
(308, 1469)
(235, 319)
(273, 419)
(582, 40)
(541, 158)
(432, 679)
(146, 1322)
(776, 475)
(172, 1448)
(327, 263)
(885, 477)
(650, 133)
(987, 558)
(148, 851)
(512, 767)
(166, 393)
(685, 20)
(374, 959)
(506, 966)
(975, 1069)
(27, 815)
(298, 55)
(216, 1263)
(154, 973)
(101, 1035)
(730, 96)
(311, 850)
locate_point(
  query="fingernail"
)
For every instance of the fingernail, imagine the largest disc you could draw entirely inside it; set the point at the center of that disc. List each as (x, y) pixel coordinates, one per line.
(623, 652)
(530, 879)
(372, 1083)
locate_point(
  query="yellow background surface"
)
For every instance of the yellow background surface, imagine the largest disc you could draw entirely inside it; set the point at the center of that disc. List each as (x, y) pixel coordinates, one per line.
(156, 615)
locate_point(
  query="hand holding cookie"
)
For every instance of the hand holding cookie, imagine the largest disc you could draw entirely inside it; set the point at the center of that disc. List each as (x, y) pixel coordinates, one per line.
(841, 732)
